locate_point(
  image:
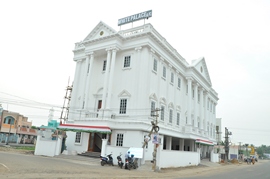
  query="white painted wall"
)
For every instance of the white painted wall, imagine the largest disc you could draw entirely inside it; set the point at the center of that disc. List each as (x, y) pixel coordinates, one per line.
(172, 158)
(72, 146)
(48, 147)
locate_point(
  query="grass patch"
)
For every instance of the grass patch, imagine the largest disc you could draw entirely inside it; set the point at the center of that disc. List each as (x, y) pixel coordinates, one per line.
(25, 148)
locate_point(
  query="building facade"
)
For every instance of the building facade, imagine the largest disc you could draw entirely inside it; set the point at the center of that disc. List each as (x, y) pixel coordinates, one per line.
(121, 77)
(15, 128)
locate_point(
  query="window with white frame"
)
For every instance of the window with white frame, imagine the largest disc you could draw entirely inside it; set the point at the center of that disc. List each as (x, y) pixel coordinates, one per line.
(171, 116)
(162, 113)
(172, 77)
(155, 65)
(164, 72)
(178, 119)
(127, 61)
(123, 106)
(153, 108)
(187, 89)
(193, 93)
(179, 83)
(78, 137)
(199, 97)
(104, 65)
(119, 139)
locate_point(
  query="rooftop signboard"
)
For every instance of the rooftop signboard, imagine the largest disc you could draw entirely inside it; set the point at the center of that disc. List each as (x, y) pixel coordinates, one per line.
(135, 17)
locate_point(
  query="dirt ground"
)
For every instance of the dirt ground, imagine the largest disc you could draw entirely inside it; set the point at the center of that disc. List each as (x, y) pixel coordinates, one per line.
(144, 171)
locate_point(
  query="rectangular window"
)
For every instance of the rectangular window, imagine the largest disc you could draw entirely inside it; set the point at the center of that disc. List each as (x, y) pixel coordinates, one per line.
(123, 106)
(172, 77)
(164, 71)
(208, 103)
(171, 115)
(186, 120)
(187, 89)
(178, 119)
(153, 107)
(210, 106)
(214, 109)
(192, 93)
(155, 65)
(162, 113)
(179, 83)
(119, 140)
(198, 97)
(104, 65)
(78, 137)
(127, 61)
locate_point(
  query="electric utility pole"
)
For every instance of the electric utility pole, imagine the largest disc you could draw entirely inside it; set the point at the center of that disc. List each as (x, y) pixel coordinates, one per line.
(154, 130)
(227, 133)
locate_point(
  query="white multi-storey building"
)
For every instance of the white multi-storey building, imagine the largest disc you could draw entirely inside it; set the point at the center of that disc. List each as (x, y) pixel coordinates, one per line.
(121, 76)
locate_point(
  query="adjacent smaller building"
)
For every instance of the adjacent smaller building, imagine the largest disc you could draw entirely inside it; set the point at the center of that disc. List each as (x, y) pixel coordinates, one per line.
(15, 128)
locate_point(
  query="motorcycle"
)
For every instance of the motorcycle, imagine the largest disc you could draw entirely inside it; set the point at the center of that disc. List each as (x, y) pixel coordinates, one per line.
(106, 160)
(120, 162)
(131, 163)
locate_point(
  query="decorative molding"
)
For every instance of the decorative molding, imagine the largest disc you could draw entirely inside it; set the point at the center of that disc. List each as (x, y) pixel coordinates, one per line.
(138, 49)
(124, 93)
(153, 96)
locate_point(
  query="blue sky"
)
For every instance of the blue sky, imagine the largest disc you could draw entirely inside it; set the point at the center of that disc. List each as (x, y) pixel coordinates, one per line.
(37, 39)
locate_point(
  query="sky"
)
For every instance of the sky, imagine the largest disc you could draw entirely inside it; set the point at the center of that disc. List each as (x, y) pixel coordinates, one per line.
(37, 39)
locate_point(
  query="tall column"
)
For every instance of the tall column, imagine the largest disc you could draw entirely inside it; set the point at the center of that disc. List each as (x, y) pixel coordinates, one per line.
(168, 143)
(86, 92)
(201, 109)
(189, 100)
(105, 84)
(195, 105)
(108, 105)
(139, 77)
(205, 110)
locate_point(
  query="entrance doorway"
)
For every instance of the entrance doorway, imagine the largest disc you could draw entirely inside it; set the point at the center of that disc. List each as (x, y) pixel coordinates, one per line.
(91, 142)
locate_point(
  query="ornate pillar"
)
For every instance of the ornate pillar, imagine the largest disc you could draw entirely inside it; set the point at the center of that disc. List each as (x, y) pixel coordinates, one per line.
(75, 89)
(201, 109)
(189, 100)
(108, 105)
(86, 91)
(205, 110)
(196, 104)
(105, 84)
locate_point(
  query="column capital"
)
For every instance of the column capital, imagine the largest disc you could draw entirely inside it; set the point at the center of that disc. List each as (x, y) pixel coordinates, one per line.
(108, 49)
(89, 53)
(162, 58)
(189, 79)
(138, 49)
(114, 49)
(202, 89)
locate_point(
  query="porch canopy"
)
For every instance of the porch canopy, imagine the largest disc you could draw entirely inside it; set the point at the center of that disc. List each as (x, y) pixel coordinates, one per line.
(84, 128)
(205, 142)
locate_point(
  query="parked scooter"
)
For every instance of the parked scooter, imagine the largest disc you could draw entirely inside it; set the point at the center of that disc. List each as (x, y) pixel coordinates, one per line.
(106, 160)
(120, 162)
(131, 163)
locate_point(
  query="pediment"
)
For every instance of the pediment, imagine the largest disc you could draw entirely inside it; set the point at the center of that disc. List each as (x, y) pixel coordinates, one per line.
(153, 96)
(124, 93)
(101, 30)
(200, 66)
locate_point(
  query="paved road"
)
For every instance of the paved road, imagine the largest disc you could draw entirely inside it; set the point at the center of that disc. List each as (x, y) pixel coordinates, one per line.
(14, 165)
(260, 170)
